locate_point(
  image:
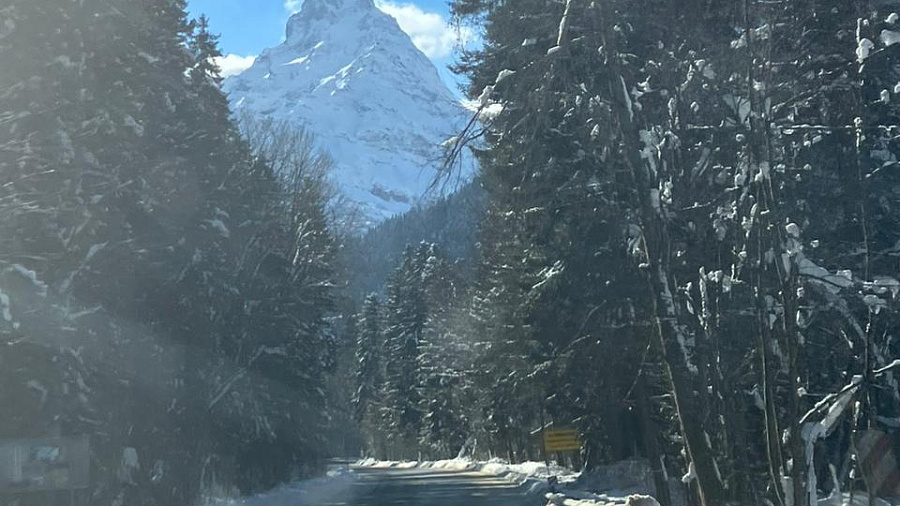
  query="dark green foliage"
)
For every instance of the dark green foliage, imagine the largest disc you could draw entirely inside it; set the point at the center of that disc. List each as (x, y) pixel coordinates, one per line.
(370, 358)
(451, 223)
(413, 365)
(165, 290)
(698, 197)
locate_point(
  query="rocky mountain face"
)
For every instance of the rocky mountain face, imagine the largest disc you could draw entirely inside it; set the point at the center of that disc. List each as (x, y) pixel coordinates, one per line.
(351, 76)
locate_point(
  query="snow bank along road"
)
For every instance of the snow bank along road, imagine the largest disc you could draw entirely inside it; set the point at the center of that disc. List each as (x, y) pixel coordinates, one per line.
(367, 486)
(430, 487)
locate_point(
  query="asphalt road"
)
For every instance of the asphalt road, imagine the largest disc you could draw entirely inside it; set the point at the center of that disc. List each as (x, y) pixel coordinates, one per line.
(423, 487)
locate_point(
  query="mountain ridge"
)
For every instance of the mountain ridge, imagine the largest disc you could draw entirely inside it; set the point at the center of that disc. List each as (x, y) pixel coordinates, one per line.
(347, 73)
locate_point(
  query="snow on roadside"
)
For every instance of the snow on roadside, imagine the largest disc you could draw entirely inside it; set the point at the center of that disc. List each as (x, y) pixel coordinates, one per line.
(312, 491)
(859, 499)
(530, 475)
(601, 500)
(517, 473)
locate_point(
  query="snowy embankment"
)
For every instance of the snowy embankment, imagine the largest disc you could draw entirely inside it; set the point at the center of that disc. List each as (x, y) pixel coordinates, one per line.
(859, 499)
(532, 476)
(312, 491)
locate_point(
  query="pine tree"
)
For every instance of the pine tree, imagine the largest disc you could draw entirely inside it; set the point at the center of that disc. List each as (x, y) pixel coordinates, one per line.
(444, 363)
(406, 312)
(148, 235)
(205, 48)
(709, 146)
(370, 379)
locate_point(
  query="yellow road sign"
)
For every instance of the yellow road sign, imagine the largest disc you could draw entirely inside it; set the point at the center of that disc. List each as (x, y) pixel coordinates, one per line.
(562, 441)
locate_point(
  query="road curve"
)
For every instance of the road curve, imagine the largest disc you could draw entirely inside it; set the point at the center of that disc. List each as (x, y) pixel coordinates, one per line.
(427, 487)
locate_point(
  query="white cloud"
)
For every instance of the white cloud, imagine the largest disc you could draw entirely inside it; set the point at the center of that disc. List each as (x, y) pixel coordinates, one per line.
(430, 32)
(233, 64)
(292, 6)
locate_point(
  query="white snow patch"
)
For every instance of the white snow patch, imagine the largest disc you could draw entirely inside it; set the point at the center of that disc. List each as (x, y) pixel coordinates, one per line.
(313, 491)
(893, 365)
(485, 97)
(149, 58)
(298, 61)
(513, 472)
(219, 226)
(505, 73)
(132, 123)
(530, 476)
(39, 388)
(383, 114)
(833, 282)
(863, 49)
(889, 37)
(627, 96)
(491, 112)
(875, 303)
(691, 474)
(793, 230)
(31, 276)
(4, 307)
(859, 499)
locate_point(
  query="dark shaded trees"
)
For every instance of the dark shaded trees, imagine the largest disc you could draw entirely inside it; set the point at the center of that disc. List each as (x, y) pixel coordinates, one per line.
(693, 147)
(178, 278)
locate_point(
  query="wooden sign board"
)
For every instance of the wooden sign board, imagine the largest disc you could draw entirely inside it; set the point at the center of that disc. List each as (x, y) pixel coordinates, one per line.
(566, 440)
(38, 465)
(875, 454)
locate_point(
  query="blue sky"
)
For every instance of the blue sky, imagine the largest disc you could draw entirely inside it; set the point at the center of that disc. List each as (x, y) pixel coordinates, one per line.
(249, 26)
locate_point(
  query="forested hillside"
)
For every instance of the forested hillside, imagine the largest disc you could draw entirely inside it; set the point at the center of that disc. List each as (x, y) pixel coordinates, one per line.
(689, 251)
(451, 222)
(161, 289)
(683, 242)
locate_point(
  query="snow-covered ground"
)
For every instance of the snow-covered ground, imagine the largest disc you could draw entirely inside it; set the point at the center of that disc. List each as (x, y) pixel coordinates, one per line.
(533, 475)
(376, 103)
(531, 472)
(314, 491)
(859, 499)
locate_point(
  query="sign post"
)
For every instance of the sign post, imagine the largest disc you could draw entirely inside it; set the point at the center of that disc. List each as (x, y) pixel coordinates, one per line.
(564, 440)
(559, 441)
(551, 480)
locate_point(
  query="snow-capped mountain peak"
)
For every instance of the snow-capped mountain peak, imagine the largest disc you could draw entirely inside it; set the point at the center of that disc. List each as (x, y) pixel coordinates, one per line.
(350, 75)
(324, 13)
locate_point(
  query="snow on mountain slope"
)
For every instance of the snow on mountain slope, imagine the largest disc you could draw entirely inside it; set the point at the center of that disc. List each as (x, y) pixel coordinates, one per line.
(350, 75)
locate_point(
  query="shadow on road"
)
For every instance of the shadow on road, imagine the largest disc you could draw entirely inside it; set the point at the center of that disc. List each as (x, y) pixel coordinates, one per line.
(417, 487)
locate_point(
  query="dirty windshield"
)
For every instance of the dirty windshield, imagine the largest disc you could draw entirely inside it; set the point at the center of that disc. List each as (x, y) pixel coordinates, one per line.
(449, 252)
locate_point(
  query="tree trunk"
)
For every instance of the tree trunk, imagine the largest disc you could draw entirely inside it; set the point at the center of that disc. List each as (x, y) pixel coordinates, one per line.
(686, 384)
(651, 445)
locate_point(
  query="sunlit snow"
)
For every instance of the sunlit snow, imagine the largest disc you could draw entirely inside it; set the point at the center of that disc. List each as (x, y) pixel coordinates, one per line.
(375, 102)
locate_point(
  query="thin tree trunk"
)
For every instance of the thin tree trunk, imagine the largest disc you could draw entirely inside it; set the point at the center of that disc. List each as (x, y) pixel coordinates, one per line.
(651, 445)
(687, 386)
